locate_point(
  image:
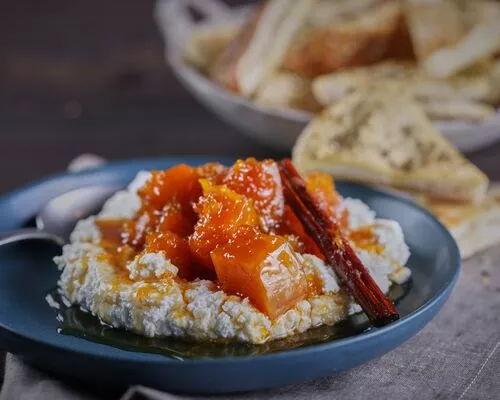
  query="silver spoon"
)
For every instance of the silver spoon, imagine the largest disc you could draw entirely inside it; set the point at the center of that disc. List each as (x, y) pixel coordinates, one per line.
(58, 217)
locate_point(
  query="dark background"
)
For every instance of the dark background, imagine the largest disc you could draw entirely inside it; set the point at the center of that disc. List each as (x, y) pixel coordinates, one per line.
(89, 76)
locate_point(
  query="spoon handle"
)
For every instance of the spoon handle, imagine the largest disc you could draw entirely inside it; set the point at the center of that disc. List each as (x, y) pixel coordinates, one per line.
(28, 234)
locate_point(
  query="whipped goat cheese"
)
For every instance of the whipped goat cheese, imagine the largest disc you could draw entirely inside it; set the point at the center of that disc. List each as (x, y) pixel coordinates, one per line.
(148, 298)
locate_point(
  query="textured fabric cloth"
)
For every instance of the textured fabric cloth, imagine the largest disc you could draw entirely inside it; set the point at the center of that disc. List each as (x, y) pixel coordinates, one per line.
(457, 356)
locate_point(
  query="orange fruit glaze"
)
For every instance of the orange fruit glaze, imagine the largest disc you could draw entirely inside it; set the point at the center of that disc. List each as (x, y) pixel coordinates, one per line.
(230, 225)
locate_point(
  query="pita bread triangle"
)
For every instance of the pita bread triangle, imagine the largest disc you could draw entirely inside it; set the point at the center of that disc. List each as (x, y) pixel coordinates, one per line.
(383, 137)
(475, 227)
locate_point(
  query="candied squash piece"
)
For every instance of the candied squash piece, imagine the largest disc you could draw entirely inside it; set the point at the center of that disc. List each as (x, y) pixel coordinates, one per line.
(220, 212)
(261, 182)
(214, 172)
(290, 225)
(111, 230)
(176, 250)
(176, 219)
(322, 187)
(179, 183)
(263, 268)
(167, 199)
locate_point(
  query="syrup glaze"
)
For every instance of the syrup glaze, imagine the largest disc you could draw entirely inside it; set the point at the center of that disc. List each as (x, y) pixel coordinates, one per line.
(75, 322)
(228, 225)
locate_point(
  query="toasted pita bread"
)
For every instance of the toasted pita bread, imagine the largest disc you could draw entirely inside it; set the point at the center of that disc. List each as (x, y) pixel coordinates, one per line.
(462, 97)
(332, 87)
(475, 227)
(465, 110)
(472, 84)
(206, 44)
(433, 25)
(361, 40)
(495, 82)
(401, 46)
(285, 89)
(384, 138)
(480, 43)
(258, 50)
(479, 11)
(327, 12)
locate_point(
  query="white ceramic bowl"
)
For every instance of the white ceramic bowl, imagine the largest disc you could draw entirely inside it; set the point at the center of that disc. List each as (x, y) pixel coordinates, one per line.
(278, 128)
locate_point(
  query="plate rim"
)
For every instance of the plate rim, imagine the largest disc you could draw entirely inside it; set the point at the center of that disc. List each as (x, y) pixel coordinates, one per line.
(115, 167)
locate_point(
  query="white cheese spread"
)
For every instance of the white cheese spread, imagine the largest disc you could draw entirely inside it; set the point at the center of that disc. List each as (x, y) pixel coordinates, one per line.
(151, 302)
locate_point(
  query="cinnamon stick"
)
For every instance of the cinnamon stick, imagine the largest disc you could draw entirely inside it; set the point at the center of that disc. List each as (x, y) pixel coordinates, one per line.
(325, 231)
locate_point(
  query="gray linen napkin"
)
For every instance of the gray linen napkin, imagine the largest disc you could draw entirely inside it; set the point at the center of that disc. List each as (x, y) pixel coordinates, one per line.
(25, 383)
(457, 356)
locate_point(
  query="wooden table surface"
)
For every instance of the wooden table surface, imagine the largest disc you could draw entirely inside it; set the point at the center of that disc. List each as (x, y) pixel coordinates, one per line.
(89, 76)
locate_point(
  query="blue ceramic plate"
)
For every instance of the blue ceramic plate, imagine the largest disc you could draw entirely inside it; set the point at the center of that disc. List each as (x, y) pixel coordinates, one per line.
(28, 326)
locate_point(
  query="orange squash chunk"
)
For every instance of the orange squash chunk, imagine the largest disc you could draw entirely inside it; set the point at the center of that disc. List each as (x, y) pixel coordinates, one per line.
(176, 219)
(321, 186)
(111, 230)
(220, 211)
(290, 225)
(263, 268)
(176, 250)
(167, 199)
(179, 183)
(261, 182)
(215, 172)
